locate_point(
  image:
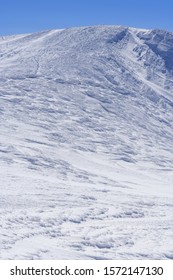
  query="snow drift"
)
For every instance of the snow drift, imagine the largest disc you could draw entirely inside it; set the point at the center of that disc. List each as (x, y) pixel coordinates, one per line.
(86, 144)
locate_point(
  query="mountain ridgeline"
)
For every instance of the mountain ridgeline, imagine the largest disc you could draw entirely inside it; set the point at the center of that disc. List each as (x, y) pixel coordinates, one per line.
(113, 84)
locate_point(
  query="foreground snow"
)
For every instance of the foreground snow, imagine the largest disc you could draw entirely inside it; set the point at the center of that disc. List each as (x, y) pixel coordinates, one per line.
(86, 165)
(108, 213)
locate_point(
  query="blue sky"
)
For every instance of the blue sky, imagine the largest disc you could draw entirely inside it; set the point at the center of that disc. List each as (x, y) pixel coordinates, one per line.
(23, 16)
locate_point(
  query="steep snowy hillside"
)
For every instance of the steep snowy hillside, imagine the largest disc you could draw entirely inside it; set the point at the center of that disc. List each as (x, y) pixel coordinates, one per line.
(86, 144)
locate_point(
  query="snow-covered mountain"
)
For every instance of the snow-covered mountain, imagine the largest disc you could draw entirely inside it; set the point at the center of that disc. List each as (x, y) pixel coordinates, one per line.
(86, 144)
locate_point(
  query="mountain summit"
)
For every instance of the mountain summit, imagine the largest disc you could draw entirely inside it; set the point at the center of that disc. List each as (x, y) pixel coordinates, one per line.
(86, 144)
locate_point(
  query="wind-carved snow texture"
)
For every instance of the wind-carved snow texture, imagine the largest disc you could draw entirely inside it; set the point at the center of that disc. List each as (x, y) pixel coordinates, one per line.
(86, 144)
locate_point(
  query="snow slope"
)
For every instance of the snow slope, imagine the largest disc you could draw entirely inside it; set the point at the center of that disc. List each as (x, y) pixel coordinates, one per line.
(86, 144)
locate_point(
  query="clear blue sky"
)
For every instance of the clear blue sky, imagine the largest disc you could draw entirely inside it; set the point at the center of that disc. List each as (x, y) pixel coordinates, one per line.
(23, 16)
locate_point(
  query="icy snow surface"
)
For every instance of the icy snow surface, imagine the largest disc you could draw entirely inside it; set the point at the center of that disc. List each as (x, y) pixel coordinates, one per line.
(86, 144)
